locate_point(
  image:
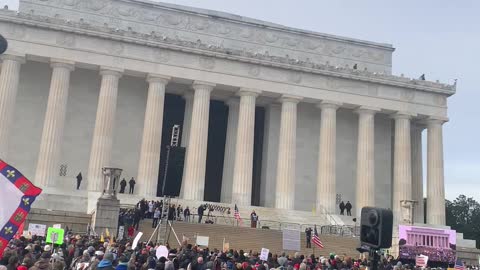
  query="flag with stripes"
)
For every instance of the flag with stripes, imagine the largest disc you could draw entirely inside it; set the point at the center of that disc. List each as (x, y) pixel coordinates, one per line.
(459, 265)
(421, 261)
(236, 214)
(315, 239)
(16, 197)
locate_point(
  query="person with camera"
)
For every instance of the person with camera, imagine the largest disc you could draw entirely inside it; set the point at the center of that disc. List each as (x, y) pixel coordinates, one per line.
(253, 219)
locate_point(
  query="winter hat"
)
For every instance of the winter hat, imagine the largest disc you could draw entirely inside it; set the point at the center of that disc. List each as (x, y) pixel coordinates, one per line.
(47, 248)
(108, 256)
(45, 255)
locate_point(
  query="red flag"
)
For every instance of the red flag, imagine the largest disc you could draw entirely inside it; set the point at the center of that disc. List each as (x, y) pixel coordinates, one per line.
(20, 231)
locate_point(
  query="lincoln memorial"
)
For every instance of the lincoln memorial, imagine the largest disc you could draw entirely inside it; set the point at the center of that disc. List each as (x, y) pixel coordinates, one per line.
(269, 116)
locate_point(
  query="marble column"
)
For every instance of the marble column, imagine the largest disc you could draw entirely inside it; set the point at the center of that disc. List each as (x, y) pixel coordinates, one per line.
(230, 144)
(9, 77)
(402, 166)
(196, 158)
(365, 158)
(326, 179)
(435, 181)
(243, 160)
(417, 172)
(287, 145)
(148, 165)
(187, 119)
(53, 125)
(101, 152)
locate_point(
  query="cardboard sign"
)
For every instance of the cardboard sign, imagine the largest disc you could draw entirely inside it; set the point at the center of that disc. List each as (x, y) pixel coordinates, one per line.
(264, 254)
(202, 240)
(137, 238)
(226, 247)
(55, 236)
(291, 240)
(162, 251)
(37, 229)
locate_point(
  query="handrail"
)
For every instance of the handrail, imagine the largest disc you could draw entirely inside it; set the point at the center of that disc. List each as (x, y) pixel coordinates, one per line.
(174, 233)
(329, 216)
(331, 229)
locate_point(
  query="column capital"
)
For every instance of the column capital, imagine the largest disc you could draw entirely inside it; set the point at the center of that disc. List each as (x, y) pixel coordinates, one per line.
(249, 92)
(403, 115)
(62, 63)
(432, 120)
(14, 57)
(232, 101)
(151, 78)
(197, 85)
(187, 95)
(290, 98)
(327, 104)
(111, 71)
(418, 126)
(367, 110)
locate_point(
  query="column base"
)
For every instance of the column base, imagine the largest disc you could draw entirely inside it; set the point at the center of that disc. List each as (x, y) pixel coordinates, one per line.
(106, 216)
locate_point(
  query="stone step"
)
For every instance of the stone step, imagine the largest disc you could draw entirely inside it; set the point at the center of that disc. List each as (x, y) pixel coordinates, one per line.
(252, 239)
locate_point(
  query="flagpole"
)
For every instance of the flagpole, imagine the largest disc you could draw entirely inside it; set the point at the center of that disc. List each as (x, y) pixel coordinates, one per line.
(313, 247)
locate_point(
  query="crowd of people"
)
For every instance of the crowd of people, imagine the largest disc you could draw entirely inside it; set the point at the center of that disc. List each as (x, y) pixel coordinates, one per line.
(88, 253)
(435, 254)
(154, 210)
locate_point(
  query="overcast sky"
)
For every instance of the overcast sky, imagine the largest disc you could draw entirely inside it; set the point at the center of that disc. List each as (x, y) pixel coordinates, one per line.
(440, 38)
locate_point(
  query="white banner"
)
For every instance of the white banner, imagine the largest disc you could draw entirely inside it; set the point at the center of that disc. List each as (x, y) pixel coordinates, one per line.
(291, 240)
(264, 254)
(137, 238)
(37, 229)
(202, 241)
(121, 231)
(57, 226)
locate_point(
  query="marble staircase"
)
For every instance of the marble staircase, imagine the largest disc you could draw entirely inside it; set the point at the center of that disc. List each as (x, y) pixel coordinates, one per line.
(248, 238)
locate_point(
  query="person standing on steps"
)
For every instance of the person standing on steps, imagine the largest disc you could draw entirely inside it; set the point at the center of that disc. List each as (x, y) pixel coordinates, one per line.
(308, 236)
(348, 206)
(79, 180)
(342, 208)
(186, 214)
(156, 216)
(131, 183)
(253, 219)
(123, 184)
(201, 209)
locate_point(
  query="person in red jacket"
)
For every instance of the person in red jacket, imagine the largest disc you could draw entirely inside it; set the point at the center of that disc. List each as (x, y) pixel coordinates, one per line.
(131, 231)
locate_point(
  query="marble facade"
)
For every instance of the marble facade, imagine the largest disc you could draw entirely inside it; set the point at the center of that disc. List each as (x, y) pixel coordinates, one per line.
(78, 72)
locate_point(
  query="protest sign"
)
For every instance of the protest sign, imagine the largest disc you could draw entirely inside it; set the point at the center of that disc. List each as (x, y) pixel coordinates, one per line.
(55, 236)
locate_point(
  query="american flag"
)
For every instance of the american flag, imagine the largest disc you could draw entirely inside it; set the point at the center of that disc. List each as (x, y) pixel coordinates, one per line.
(459, 265)
(315, 239)
(236, 214)
(421, 261)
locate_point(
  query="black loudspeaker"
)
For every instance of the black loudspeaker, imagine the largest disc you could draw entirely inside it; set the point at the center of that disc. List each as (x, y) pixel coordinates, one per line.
(175, 171)
(3, 44)
(376, 227)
